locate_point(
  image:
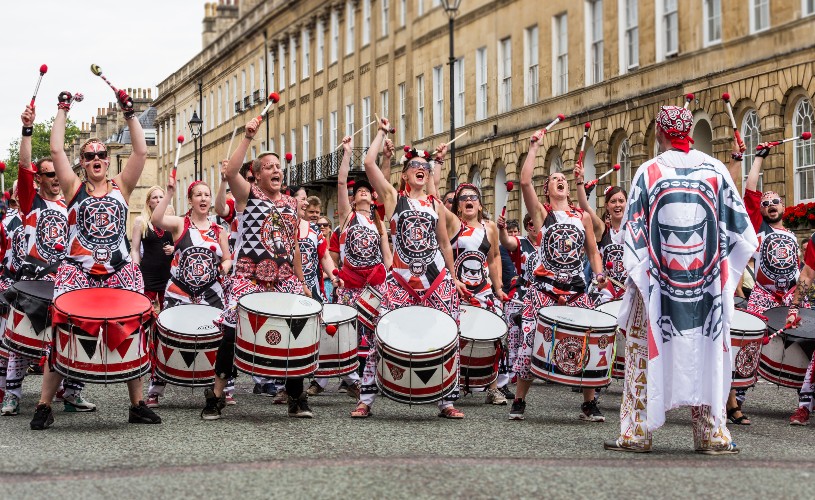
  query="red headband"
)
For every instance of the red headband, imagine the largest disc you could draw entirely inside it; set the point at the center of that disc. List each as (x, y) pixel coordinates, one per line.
(189, 189)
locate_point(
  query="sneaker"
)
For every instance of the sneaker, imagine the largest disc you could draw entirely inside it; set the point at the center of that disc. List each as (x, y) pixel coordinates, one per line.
(314, 389)
(230, 400)
(11, 405)
(299, 407)
(614, 445)
(152, 401)
(43, 417)
(343, 386)
(495, 397)
(506, 392)
(800, 417)
(258, 389)
(353, 391)
(728, 449)
(59, 397)
(281, 397)
(518, 408)
(214, 404)
(590, 412)
(75, 403)
(141, 414)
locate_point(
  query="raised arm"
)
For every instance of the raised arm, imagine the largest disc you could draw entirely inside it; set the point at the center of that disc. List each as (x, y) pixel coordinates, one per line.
(583, 201)
(381, 184)
(387, 155)
(533, 206)
(511, 243)
(343, 205)
(237, 184)
(161, 220)
(25, 176)
(68, 181)
(221, 208)
(438, 162)
(755, 169)
(129, 178)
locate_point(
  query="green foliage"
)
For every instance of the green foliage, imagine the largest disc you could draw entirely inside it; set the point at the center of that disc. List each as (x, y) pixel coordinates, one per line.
(40, 146)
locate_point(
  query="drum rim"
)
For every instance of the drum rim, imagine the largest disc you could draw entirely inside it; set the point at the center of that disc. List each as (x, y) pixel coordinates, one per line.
(23, 292)
(506, 328)
(272, 315)
(454, 341)
(147, 311)
(343, 322)
(159, 324)
(613, 326)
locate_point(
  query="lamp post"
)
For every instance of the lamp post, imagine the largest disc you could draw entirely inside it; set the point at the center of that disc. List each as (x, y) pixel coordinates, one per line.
(195, 125)
(451, 9)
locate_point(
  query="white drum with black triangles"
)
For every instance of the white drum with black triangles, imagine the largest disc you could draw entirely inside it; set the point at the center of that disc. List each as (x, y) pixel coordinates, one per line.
(187, 342)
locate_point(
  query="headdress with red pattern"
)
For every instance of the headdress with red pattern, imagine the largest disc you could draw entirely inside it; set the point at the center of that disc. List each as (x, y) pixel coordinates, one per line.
(676, 122)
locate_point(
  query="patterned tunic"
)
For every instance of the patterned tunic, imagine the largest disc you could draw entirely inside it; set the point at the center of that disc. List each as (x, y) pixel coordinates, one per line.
(194, 270)
(312, 248)
(417, 259)
(559, 268)
(471, 246)
(611, 251)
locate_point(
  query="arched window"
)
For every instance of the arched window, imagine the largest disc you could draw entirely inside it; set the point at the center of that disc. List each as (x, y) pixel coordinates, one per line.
(803, 157)
(751, 135)
(475, 177)
(556, 165)
(500, 195)
(624, 159)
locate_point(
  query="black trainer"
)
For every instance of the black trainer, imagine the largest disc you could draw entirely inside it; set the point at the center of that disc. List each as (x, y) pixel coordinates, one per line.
(142, 414)
(506, 392)
(213, 407)
(43, 417)
(518, 408)
(590, 412)
(299, 407)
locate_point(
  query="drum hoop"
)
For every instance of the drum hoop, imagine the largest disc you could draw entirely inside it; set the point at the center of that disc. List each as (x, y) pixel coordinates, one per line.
(503, 322)
(23, 292)
(343, 322)
(69, 315)
(272, 315)
(454, 341)
(593, 329)
(161, 326)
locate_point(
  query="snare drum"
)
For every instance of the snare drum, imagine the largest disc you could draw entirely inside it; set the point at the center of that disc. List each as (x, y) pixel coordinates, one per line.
(417, 349)
(368, 307)
(618, 368)
(101, 335)
(784, 360)
(187, 341)
(278, 335)
(480, 346)
(746, 333)
(573, 346)
(29, 328)
(338, 350)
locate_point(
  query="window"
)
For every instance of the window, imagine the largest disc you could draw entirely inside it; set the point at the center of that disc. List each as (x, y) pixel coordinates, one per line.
(384, 106)
(220, 105)
(759, 15)
(282, 71)
(556, 165)
(293, 62)
(713, 21)
(481, 83)
(531, 64)
(438, 99)
(386, 15)
(349, 119)
(335, 35)
(594, 37)
(505, 75)
(366, 22)
(751, 135)
(670, 26)
(402, 97)
(803, 157)
(262, 74)
(332, 138)
(318, 138)
(271, 73)
(251, 77)
(420, 106)
(283, 145)
(560, 55)
(306, 43)
(420, 9)
(458, 91)
(624, 159)
(366, 119)
(630, 46)
(271, 145)
(235, 89)
(211, 107)
(807, 7)
(403, 12)
(318, 64)
(305, 142)
(293, 145)
(349, 28)
(243, 83)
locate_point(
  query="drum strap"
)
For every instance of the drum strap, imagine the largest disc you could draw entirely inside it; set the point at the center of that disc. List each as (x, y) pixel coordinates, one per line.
(420, 299)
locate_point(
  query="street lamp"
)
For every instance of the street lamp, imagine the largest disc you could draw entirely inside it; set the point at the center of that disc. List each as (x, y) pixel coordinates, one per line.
(195, 129)
(451, 9)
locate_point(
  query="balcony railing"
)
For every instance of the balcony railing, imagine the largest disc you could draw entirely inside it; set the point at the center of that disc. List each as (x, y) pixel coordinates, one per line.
(325, 168)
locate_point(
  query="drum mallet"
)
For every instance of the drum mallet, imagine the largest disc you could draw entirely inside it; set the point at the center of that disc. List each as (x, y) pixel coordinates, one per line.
(96, 70)
(803, 137)
(354, 134)
(43, 71)
(454, 139)
(736, 133)
(229, 149)
(766, 340)
(586, 128)
(274, 98)
(177, 154)
(509, 185)
(688, 99)
(590, 185)
(554, 122)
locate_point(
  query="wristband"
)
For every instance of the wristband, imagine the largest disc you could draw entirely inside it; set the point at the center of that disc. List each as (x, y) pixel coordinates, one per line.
(580, 183)
(737, 156)
(28, 131)
(438, 161)
(598, 275)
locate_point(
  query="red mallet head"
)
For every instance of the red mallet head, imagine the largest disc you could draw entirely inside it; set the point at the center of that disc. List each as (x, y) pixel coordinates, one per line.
(406, 149)
(616, 167)
(274, 97)
(765, 340)
(509, 185)
(587, 125)
(609, 265)
(7, 195)
(43, 69)
(689, 97)
(2, 166)
(806, 136)
(181, 139)
(59, 247)
(336, 272)
(561, 117)
(726, 97)
(331, 329)
(289, 156)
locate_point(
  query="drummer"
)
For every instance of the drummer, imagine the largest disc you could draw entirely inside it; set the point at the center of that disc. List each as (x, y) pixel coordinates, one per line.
(200, 260)
(559, 282)
(608, 233)
(97, 251)
(803, 293)
(267, 259)
(45, 228)
(477, 259)
(422, 271)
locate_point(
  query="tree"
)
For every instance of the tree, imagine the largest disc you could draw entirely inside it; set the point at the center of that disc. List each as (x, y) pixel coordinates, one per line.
(40, 146)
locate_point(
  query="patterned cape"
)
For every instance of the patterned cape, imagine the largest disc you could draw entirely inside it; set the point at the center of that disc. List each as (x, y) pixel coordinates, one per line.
(688, 239)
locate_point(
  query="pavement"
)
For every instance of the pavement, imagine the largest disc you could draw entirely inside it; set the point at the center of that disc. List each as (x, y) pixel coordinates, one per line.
(256, 451)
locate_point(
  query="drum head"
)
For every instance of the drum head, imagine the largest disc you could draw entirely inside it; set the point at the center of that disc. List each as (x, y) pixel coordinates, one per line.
(102, 303)
(281, 305)
(746, 322)
(416, 329)
(337, 313)
(578, 317)
(190, 319)
(611, 307)
(36, 288)
(479, 324)
(777, 318)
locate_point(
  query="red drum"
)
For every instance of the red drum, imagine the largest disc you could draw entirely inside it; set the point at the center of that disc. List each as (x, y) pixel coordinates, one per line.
(480, 346)
(187, 341)
(29, 328)
(101, 335)
(746, 333)
(784, 360)
(417, 349)
(368, 307)
(573, 346)
(338, 350)
(278, 335)
(618, 368)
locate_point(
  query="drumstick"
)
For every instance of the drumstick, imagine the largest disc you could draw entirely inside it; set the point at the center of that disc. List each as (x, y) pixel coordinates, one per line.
(459, 136)
(688, 99)
(177, 154)
(766, 340)
(229, 149)
(586, 128)
(736, 134)
(591, 184)
(558, 119)
(355, 133)
(803, 137)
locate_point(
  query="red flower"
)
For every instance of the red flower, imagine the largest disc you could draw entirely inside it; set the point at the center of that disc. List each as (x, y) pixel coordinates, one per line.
(811, 216)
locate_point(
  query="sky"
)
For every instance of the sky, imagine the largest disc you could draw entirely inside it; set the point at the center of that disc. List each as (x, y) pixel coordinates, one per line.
(136, 43)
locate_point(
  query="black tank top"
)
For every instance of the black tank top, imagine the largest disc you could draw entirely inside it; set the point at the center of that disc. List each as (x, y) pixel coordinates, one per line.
(155, 265)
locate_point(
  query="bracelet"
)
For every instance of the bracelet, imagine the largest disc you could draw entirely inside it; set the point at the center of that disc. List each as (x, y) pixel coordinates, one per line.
(737, 156)
(580, 183)
(438, 161)
(598, 275)
(28, 131)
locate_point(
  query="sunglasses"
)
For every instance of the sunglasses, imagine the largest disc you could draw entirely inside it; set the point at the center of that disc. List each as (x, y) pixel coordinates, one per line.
(323, 224)
(250, 180)
(449, 200)
(468, 197)
(89, 155)
(50, 175)
(774, 201)
(419, 164)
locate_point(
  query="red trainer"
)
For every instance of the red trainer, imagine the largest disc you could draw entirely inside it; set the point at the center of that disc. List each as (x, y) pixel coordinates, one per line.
(800, 417)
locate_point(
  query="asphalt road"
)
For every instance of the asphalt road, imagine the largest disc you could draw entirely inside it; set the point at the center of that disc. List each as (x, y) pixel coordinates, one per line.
(256, 451)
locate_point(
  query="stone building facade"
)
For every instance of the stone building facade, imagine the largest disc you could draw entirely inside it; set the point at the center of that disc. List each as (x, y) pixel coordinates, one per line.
(612, 63)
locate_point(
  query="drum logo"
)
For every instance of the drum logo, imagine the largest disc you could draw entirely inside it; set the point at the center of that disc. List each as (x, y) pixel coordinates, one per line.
(569, 356)
(416, 237)
(52, 230)
(602, 342)
(779, 259)
(273, 337)
(547, 334)
(362, 246)
(396, 372)
(469, 268)
(747, 360)
(101, 222)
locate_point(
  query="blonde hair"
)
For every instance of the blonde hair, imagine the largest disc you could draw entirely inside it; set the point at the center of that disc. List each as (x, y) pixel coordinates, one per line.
(147, 215)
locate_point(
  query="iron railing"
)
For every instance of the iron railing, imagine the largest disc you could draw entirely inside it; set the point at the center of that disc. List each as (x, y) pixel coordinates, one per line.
(325, 168)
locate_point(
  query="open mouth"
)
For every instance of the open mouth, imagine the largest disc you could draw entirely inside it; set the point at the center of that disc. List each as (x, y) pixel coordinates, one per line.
(560, 186)
(275, 178)
(469, 206)
(420, 175)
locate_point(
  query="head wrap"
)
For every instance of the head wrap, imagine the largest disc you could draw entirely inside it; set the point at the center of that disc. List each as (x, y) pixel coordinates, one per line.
(676, 122)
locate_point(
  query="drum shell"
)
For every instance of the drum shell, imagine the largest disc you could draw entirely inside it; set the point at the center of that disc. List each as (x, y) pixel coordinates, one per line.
(618, 368)
(185, 359)
(745, 349)
(338, 353)
(568, 346)
(783, 362)
(265, 345)
(479, 355)
(20, 335)
(368, 307)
